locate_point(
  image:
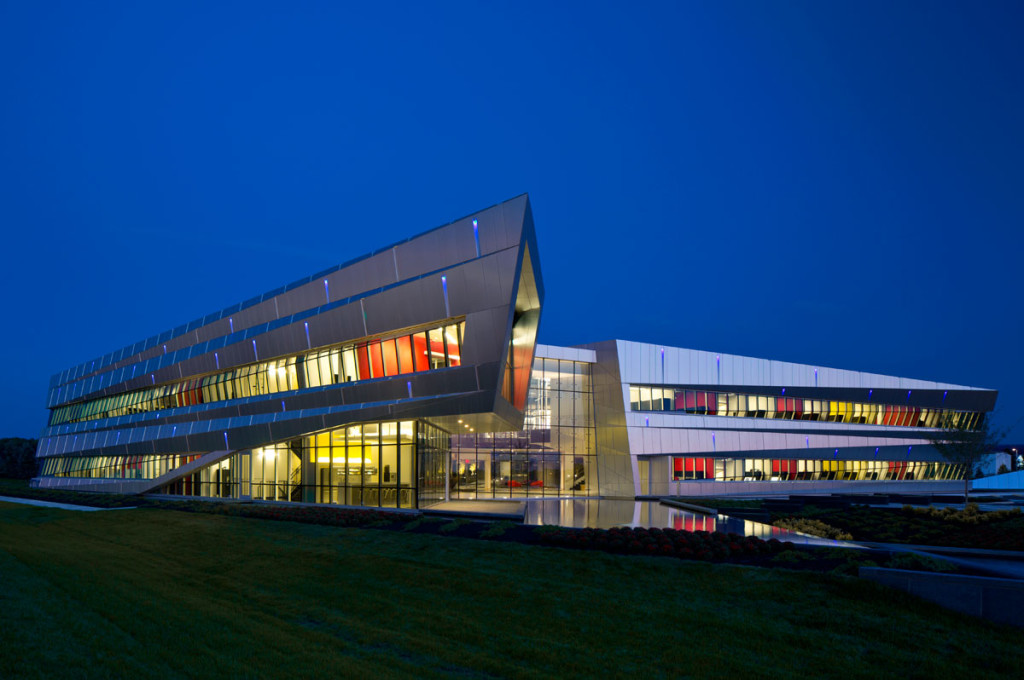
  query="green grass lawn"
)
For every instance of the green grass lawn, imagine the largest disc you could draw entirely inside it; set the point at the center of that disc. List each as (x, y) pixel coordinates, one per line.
(157, 593)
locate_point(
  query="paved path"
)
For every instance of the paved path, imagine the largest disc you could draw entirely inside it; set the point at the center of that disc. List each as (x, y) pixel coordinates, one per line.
(48, 504)
(1002, 563)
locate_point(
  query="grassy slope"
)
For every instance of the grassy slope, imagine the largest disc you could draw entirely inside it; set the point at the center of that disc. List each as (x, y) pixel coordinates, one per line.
(149, 593)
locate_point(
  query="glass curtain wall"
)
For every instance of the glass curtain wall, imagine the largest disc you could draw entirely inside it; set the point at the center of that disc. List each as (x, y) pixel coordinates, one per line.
(554, 455)
(368, 464)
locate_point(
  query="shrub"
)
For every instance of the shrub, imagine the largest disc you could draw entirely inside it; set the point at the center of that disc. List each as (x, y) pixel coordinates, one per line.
(791, 557)
(814, 527)
(916, 562)
(453, 525)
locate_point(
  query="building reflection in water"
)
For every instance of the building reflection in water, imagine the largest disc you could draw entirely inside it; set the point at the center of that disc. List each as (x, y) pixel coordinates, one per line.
(607, 513)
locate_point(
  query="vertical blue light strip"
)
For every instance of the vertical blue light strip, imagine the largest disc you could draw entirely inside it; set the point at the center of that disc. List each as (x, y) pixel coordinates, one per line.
(308, 344)
(255, 353)
(216, 359)
(408, 385)
(476, 237)
(444, 288)
(226, 440)
(327, 292)
(231, 324)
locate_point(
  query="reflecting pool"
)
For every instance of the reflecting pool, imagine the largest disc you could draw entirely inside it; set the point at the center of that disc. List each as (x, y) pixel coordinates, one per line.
(603, 513)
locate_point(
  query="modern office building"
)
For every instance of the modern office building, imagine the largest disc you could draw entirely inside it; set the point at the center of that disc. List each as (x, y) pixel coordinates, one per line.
(412, 375)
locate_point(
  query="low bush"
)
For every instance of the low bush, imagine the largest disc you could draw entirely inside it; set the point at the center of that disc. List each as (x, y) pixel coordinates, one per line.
(497, 529)
(814, 527)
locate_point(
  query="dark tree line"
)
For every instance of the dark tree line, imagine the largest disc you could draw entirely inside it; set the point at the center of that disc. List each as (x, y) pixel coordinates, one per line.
(18, 458)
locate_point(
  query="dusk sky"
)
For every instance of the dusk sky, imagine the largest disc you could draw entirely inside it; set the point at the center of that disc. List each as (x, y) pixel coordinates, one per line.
(834, 183)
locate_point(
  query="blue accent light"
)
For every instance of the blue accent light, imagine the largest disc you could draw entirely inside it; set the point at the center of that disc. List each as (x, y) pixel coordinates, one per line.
(783, 390)
(836, 454)
(408, 383)
(152, 378)
(476, 237)
(647, 422)
(444, 288)
(714, 445)
(165, 349)
(908, 395)
(807, 442)
(231, 323)
(282, 406)
(944, 394)
(815, 377)
(327, 291)
(217, 360)
(876, 452)
(308, 344)
(254, 351)
(226, 441)
(870, 392)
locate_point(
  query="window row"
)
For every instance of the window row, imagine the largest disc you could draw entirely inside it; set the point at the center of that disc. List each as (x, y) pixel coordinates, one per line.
(422, 351)
(789, 408)
(776, 469)
(111, 467)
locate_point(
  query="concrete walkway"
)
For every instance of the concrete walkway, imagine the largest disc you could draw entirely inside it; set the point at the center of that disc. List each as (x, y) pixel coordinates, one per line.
(1001, 563)
(59, 506)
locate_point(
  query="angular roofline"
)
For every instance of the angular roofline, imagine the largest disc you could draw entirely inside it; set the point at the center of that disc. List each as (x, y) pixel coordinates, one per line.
(238, 306)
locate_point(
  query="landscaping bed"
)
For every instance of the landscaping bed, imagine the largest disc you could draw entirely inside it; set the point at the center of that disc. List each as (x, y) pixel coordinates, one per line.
(969, 528)
(699, 546)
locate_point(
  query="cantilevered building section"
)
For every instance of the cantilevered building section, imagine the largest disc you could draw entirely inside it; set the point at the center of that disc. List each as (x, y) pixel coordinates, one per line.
(412, 375)
(342, 387)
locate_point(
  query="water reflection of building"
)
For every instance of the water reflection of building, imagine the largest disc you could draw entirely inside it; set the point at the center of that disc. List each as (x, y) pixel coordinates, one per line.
(412, 375)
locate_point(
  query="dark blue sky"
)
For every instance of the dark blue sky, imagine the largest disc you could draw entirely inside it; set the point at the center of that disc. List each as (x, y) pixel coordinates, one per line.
(830, 183)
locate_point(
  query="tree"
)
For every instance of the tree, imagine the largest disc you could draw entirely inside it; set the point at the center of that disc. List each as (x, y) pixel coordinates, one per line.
(966, 447)
(18, 458)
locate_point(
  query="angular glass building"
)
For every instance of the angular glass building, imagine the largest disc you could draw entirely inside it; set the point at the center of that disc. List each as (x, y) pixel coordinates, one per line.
(412, 375)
